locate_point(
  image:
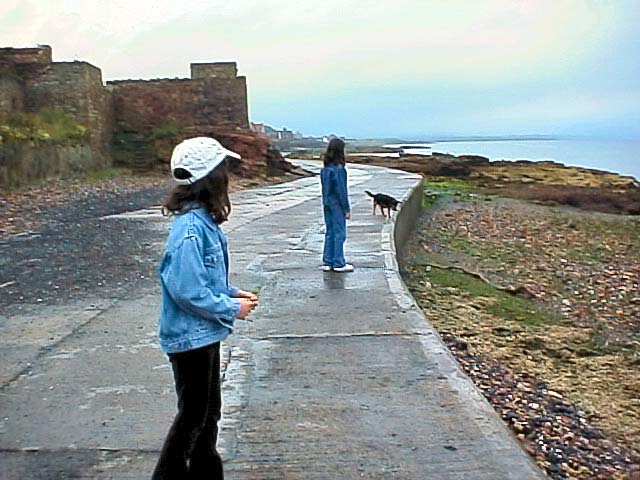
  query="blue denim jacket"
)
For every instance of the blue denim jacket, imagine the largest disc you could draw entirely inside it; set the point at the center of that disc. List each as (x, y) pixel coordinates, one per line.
(334, 186)
(197, 308)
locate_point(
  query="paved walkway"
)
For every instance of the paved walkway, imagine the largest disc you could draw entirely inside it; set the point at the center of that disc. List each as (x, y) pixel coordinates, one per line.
(338, 376)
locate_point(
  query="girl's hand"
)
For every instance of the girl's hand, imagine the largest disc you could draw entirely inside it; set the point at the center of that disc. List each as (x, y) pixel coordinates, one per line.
(246, 307)
(243, 294)
(347, 215)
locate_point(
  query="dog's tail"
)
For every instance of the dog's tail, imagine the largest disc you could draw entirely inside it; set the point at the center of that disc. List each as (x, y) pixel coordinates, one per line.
(369, 193)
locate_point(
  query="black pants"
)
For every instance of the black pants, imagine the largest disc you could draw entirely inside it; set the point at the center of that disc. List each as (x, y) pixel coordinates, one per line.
(189, 451)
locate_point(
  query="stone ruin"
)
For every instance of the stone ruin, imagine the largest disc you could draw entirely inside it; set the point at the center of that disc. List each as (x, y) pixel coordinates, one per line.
(136, 123)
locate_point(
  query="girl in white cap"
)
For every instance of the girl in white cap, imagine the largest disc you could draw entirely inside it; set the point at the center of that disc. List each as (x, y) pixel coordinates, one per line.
(199, 306)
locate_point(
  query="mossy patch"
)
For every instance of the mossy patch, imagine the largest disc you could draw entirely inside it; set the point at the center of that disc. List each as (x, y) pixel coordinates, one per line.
(165, 132)
(456, 189)
(504, 305)
(106, 174)
(44, 126)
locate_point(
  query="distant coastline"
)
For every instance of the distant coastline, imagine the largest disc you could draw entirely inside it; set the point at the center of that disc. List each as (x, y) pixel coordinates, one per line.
(611, 155)
(607, 154)
(496, 138)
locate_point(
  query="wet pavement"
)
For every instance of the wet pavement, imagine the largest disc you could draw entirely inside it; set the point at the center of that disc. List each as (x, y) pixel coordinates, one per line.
(336, 376)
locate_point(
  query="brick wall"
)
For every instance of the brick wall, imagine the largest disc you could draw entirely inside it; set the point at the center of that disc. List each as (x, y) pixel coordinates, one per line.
(25, 162)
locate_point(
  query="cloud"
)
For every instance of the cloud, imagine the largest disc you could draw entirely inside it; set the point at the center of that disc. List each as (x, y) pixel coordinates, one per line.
(564, 106)
(477, 58)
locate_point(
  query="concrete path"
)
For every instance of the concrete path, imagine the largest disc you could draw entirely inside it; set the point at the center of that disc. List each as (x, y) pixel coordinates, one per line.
(338, 376)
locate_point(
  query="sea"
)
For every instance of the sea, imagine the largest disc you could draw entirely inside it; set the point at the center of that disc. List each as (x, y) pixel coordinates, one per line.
(613, 155)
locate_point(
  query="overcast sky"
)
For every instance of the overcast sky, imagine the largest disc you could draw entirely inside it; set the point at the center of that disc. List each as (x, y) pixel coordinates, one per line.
(372, 68)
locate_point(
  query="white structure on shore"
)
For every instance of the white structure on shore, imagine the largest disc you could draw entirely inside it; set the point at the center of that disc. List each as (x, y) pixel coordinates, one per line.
(412, 148)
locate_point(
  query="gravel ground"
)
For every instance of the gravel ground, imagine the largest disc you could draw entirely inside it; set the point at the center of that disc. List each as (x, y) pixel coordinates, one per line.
(71, 252)
(55, 246)
(552, 428)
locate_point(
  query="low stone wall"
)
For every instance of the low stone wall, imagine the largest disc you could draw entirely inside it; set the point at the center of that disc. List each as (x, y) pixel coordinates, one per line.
(24, 163)
(407, 217)
(395, 234)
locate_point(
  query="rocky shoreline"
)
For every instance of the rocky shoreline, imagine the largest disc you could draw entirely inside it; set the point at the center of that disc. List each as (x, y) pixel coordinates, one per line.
(546, 182)
(552, 428)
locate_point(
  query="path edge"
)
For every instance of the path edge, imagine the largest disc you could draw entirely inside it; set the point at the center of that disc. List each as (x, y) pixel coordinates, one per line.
(395, 234)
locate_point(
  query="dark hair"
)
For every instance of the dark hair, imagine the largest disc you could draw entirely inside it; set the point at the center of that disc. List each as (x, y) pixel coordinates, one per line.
(210, 192)
(335, 152)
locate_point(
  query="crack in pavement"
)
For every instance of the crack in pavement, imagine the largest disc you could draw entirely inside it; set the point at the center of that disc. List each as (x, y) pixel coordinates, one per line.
(342, 335)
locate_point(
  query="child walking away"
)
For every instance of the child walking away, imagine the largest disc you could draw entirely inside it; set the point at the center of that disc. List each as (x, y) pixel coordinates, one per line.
(335, 202)
(199, 306)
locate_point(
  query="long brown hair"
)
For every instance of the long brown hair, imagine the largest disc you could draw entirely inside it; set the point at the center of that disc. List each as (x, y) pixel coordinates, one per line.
(335, 152)
(210, 192)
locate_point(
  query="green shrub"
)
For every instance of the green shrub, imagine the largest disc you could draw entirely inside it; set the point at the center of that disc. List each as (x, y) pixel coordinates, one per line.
(435, 190)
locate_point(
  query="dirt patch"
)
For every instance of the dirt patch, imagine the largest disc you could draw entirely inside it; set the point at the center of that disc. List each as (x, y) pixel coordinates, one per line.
(576, 340)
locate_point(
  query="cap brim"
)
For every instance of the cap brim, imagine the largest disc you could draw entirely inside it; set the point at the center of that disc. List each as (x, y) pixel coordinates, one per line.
(232, 154)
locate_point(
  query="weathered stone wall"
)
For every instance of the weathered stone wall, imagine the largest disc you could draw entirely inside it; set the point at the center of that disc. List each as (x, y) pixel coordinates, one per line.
(40, 54)
(135, 122)
(23, 163)
(11, 92)
(74, 88)
(214, 70)
(149, 116)
(144, 105)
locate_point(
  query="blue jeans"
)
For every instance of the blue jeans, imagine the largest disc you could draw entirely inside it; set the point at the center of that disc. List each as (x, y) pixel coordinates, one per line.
(334, 237)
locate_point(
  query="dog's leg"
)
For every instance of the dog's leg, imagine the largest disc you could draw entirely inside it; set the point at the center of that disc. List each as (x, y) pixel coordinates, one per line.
(374, 208)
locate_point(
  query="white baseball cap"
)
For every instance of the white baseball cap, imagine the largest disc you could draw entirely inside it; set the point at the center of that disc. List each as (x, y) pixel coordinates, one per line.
(198, 156)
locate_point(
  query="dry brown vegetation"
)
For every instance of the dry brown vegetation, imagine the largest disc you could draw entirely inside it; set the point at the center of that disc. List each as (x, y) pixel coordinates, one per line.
(597, 199)
(579, 337)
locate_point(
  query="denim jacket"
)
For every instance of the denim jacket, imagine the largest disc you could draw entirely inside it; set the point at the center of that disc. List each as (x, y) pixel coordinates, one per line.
(197, 308)
(334, 186)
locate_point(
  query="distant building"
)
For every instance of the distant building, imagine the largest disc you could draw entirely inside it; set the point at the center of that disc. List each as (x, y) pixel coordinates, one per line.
(257, 127)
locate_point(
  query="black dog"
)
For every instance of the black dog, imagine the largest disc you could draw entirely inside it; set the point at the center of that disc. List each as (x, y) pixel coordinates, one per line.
(383, 201)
